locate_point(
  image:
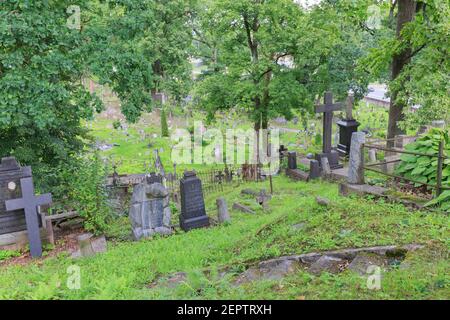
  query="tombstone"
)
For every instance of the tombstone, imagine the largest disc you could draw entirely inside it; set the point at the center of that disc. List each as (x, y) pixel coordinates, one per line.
(292, 160)
(346, 128)
(325, 165)
(150, 212)
(222, 210)
(29, 203)
(193, 213)
(314, 169)
(10, 175)
(356, 161)
(327, 109)
(154, 178)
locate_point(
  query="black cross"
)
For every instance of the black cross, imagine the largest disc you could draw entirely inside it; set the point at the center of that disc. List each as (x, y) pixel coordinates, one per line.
(29, 202)
(327, 109)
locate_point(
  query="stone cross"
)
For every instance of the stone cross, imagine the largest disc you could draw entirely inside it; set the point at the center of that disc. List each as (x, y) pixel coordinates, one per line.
(327, 109)
(29, 203)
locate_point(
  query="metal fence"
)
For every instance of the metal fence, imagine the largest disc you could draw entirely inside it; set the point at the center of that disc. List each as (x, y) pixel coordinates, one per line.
(392, 157)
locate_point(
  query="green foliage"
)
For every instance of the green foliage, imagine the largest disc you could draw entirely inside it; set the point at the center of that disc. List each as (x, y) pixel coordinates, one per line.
(80, 185)
(251, 238)
(268, 58)
(424, 168)
(7, 254)
(164, 126)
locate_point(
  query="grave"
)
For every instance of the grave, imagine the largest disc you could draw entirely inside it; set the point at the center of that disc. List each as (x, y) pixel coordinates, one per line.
(346, 128)
(292, 160)
(327, 109)
(10, 175)
(193, 212)
(29, 203)
(154, 178)
(150, 211)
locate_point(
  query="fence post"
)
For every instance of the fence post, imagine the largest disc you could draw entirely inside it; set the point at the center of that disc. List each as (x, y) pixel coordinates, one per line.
(439, 168)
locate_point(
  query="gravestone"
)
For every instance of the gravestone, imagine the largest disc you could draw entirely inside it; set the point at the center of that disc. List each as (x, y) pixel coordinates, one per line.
(222, 210)
(150, 211)
(327, 109)
(193, 213)
(314, 169)
(154, 178)
(10, 175)
(356, 161)
(346, 128)
(29, 203)
(292, 160)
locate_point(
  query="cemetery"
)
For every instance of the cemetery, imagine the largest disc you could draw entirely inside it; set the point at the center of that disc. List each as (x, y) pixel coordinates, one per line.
(198, 175)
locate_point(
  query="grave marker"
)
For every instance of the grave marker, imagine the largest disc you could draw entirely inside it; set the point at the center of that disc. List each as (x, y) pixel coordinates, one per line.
(346, 128)
(193, 213)
(10, 175)
(29, 203)
(327, 109)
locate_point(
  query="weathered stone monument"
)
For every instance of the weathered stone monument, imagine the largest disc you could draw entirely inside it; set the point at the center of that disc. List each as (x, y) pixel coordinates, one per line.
(327, 109)
(154, 178)
(10, 175)
(19, 205)
(222, 210)
(356, 161)
(193, 213)
(346, 128)
(150, 212)
(30, 203)
(292, 160)
(314, 169)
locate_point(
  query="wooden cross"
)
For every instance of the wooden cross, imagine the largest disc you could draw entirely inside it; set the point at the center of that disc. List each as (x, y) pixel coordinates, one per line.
(29, 203)
(327, 109)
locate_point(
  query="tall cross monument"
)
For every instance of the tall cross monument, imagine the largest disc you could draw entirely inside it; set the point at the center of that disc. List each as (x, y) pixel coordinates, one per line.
(29, 202)
(327, 109)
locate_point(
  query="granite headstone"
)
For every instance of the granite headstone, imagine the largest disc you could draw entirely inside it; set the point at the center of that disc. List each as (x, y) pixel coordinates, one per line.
(193, 213)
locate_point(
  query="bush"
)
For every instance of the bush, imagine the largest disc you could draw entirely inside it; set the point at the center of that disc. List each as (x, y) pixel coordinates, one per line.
(424, 168)
(80, 185)
(164, 127)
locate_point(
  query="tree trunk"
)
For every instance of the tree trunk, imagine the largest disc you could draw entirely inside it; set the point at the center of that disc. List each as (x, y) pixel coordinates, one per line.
(406, 13)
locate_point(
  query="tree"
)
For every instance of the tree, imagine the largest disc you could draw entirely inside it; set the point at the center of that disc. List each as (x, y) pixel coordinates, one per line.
(271, 57)
(164, 127)
(415, 47)
(400, 60)
(44, 61)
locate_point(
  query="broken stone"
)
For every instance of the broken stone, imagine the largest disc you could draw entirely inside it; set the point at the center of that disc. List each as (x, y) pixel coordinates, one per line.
(299, 226)
(326, 264)
(250, 192)
(323, 201)
(242, 208)
(363, 261)
(269, 270)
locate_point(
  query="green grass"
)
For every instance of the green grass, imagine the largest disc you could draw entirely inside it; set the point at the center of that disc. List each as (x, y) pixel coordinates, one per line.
(127, 269)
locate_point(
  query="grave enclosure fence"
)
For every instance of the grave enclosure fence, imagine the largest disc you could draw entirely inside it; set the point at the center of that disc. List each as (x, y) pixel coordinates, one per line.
(392, 157)
(213, 180)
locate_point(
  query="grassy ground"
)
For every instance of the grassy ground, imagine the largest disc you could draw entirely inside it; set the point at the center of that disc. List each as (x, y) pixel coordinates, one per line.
(128, 268)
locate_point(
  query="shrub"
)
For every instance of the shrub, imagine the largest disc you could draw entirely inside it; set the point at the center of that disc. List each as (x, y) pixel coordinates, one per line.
(164, 127)
(80, 185)
(424, 168)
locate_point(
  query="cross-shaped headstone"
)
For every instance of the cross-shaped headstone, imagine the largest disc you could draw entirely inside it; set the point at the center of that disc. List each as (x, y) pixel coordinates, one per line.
(29, 203)
(327, 109)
